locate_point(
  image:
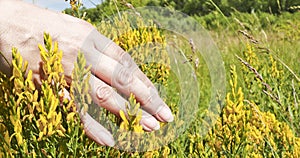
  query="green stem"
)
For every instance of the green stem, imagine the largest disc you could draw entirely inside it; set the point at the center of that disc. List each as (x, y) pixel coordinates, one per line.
(5, 59)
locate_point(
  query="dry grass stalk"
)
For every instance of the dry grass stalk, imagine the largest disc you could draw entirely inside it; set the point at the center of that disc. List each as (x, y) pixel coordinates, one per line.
(294, 94)
(267, 50)
(192, 45)
(259, 76)
(250, 37)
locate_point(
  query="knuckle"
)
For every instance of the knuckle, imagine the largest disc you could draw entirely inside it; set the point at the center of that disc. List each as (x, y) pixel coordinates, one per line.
(151, 103)
(127, 61)
(119, 51)
(124, 77)
(146, 101)
(104, 93)
(143, 78)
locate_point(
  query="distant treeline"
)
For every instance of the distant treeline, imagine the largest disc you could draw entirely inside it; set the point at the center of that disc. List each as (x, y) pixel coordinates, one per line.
(194, 7)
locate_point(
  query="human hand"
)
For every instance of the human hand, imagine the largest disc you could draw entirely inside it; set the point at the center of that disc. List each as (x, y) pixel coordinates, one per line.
(23, 25)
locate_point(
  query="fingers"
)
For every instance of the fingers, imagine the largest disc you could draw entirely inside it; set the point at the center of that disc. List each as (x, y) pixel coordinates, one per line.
(93, 129)
(118, 69)
(106, 97)
(148, 122)
(126, 82)
(96, 131)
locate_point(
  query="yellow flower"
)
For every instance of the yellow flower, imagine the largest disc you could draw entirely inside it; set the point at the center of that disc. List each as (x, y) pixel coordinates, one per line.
(125, 124)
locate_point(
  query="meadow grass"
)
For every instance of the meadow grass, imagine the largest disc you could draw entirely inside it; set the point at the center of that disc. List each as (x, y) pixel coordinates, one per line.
(260, 117)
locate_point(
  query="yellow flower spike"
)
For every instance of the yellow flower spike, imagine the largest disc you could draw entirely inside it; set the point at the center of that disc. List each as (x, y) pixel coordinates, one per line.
(50, 114)
(6, 138)
(53, 105)
(29, 80)
(18, 85)
(19, 138)
(148, 154)
(138, 129)
(50, 129)
(71, 105)
(58, 119)
(44, 130)
(70, 116)
(245, 120)
(61, 128)
(124, 125)
(42, 53)
(19, 100)
(16, 72)
(85, 107)
(191, 148)
(43, 120)
(41, 134)
(56, 50)
(60, 133)
(35, 95)
(18, 56)
(148, 36)
(27, 104)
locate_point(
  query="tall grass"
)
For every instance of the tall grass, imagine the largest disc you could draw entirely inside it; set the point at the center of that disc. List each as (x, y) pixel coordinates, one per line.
(261, 113)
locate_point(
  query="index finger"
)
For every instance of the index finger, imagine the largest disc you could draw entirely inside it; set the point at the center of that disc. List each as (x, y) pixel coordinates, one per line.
(111, 49)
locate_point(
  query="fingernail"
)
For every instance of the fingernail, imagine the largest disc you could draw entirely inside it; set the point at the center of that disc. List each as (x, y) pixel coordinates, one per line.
(150, 124)
(107, 139)
(166, 114)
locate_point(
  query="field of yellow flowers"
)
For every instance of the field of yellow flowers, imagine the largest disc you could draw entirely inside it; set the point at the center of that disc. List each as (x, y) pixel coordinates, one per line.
(260, 115)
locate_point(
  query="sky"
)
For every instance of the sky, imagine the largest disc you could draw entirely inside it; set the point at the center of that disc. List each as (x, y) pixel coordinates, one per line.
(59, 5)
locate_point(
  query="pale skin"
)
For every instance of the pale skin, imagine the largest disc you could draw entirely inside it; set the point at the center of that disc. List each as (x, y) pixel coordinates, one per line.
(22, 26)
